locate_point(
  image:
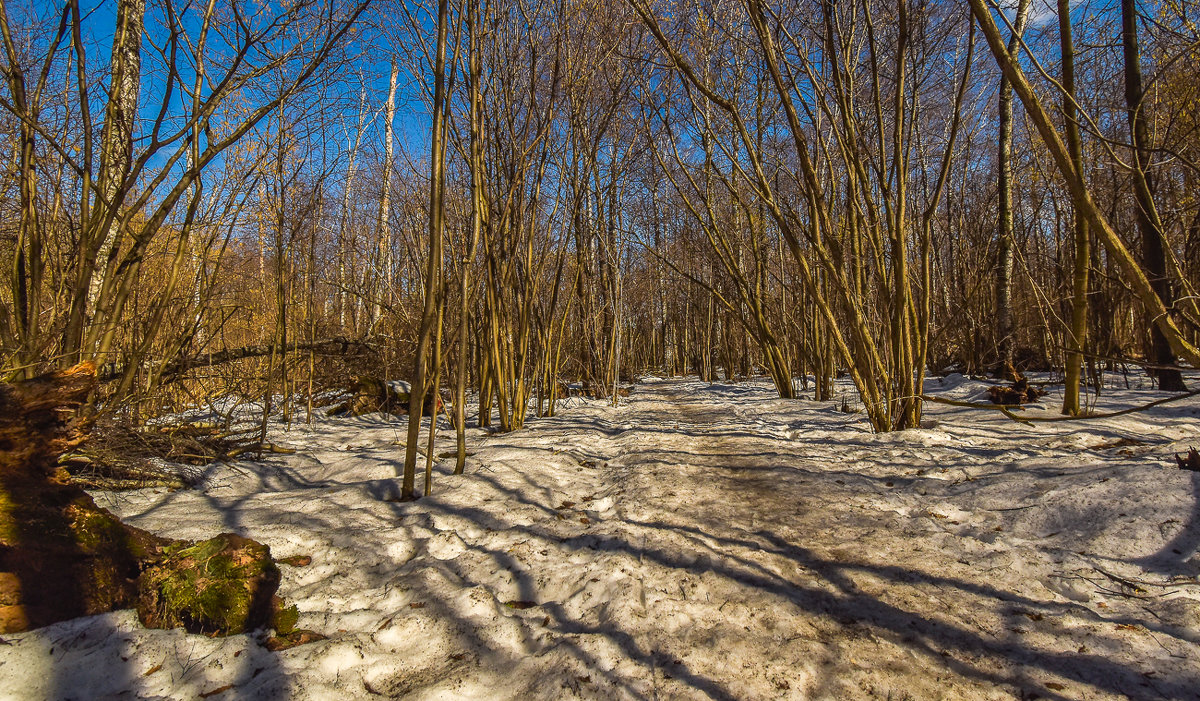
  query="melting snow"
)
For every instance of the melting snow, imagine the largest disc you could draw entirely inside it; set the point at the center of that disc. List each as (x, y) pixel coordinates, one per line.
(695, 542)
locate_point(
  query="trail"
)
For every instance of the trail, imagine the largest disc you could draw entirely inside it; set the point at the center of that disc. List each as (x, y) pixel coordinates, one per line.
(696, 542)
(801, 574)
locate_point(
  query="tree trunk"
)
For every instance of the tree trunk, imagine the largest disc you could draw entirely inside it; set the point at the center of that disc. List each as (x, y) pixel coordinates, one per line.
(1004, 233)
(437, 222)
(477, 213)
(1118, 253)
(1079, 303)
(100, 240)
(382, 227)
(1160, 356)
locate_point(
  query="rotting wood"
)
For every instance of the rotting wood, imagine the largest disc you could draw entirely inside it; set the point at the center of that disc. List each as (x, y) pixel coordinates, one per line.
(62, 556)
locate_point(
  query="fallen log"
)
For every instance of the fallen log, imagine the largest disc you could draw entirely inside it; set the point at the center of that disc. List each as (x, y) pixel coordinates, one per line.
(1007, 409)
(173, 369)
(62, 556)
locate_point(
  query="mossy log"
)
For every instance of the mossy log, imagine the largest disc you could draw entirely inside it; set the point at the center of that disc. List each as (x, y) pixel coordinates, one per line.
(220, 585)
(61, 556)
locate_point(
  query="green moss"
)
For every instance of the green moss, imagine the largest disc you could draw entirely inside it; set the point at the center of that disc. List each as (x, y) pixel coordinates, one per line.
(221, 602)
(285, 619)
(223, 585)
(8, 521)
(96, 530)
(208, 596)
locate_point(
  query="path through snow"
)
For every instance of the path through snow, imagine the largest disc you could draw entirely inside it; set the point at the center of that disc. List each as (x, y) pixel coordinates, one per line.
(699, 541)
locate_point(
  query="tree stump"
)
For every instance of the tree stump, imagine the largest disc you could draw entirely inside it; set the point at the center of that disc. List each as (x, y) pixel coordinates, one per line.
(220, 585)
(60, 555)
(1020, 392)
(371, 394)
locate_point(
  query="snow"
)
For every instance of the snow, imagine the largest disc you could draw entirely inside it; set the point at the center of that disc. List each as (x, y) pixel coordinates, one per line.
(697, 541)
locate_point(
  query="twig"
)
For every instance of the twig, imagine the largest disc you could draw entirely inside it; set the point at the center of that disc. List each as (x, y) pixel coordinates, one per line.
(257, 447)
(112, 485)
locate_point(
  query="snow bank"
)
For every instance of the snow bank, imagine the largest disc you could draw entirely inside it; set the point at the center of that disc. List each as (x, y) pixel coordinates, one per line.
(695, 542)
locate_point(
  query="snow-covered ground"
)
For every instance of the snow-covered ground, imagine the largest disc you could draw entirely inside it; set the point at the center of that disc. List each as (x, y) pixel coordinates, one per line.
(695, 542)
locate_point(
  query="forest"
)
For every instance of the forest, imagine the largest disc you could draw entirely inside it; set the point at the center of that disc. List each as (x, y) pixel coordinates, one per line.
(363, 279)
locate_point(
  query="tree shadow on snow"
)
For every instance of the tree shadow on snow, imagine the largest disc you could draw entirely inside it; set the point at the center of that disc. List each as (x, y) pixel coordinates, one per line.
(1178, 556)
(830, 592)
(822, 586)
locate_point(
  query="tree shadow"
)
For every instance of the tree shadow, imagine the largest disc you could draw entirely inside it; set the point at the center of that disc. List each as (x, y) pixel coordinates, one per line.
(812, 584)
(1177, 557)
